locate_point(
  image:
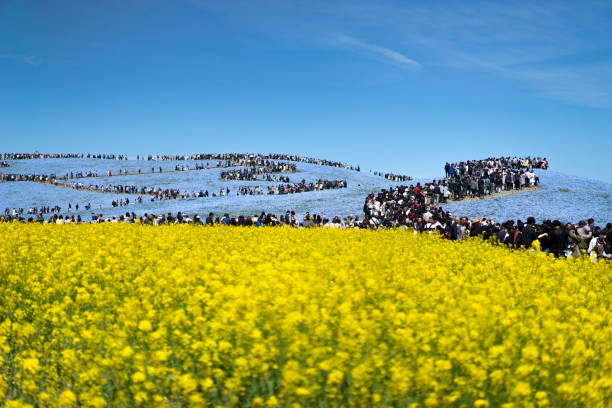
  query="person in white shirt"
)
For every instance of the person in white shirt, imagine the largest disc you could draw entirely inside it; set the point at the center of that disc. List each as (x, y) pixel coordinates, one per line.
(431, 225)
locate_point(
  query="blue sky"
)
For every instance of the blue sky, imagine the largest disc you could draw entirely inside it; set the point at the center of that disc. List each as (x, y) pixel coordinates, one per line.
(392, 86)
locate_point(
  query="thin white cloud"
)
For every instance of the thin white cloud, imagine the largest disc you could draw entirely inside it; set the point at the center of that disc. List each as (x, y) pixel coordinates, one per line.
(538, 44)
(561, 51)
(25, 59)
(388, 55)
(587, 85)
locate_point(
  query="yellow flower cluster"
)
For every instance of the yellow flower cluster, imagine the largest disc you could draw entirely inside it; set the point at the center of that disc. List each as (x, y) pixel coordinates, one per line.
(124, 315)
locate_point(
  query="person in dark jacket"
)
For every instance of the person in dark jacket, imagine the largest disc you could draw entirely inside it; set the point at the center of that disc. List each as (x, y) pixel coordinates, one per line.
(529, 234)
(453, 229)
(503, 235)
(558, 239)
(475, 228)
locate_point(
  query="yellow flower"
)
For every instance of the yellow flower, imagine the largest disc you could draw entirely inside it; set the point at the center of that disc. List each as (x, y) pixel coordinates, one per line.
(44, 397)
(17, 404)
(522, 389)
(96, 402)
(530, 352)
(443, 365)
(272, 401)
(139, 377)
(127, 352)
(145, 326)
(31, 364)
(67, 397)
(187, 383)
(207, 383)
(431, 401)
(309, 315)
(196, 400)
(541, 398)
(335, 377)
(161, 355)
(141, 397)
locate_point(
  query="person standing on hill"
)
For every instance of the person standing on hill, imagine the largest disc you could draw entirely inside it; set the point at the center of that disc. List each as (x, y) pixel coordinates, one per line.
(529, 235)
(475, 228)
(308, 222)
(558, 239)
(584, 230)
(210, 219)
(591, 225)
(581, 243)
(454, 229)
(517, 237)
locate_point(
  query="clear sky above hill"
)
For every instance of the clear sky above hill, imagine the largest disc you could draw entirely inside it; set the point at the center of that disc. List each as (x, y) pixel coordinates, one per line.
(392, 86)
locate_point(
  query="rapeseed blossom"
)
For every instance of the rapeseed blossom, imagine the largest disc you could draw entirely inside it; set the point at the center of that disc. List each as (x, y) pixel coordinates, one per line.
(125, 315)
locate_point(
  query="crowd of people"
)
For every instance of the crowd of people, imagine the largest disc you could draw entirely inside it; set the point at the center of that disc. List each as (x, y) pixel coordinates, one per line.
(5, 164)
(168, 157)
(560, 239)
(19, 213)
(39, 178)
(50, 178)
(478, 178)
(408, 207)
(255, 167)
(415, 207)
(159, 193)
(245, 157)
(311, 160)
(278, 178)
(106, 156)
(303, 186)
(36, 155)
(263, 219)
(392, 177)
(471, 167)
(251, 173)
(53, 178)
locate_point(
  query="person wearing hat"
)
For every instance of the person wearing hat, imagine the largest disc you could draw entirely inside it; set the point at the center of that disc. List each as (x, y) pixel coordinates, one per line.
(475, 228)
(581, 243)
(584, 230)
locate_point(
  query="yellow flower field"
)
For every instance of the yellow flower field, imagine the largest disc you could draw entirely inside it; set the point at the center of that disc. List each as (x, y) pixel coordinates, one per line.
(123, 315)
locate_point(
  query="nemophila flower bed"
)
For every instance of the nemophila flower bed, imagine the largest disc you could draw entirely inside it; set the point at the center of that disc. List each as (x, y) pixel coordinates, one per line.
(125, 315)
